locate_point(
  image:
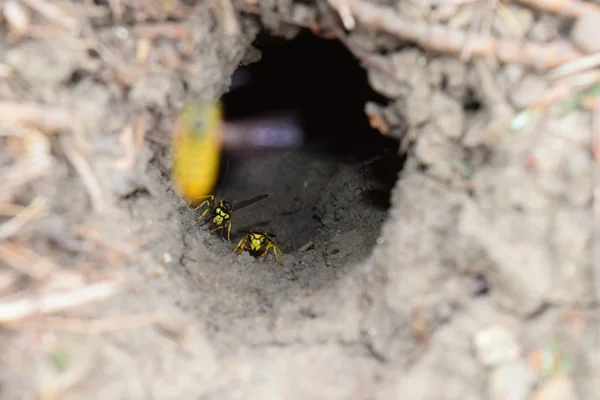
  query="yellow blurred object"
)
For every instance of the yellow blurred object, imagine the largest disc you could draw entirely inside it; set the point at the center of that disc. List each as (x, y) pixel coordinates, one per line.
(200, 135)
(196, 150)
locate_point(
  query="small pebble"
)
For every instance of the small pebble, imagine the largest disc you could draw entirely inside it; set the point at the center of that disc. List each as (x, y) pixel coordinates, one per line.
(585, 33)
(558, 388)
(495, 345)
(528, 91)
(510, 381)
(167, 258)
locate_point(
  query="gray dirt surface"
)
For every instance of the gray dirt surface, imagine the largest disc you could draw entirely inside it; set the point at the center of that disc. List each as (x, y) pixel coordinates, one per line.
(383, 305)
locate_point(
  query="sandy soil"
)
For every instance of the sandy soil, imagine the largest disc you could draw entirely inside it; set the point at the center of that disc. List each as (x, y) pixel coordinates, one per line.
(482, 263)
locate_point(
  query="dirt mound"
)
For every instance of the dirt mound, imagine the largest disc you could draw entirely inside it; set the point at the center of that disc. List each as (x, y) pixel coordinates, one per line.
(438, 224)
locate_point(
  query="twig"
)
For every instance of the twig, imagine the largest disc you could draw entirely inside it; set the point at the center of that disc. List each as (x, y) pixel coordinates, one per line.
(140, 133)
(225, 13)
(575, 66)
(306, 246)
(434, 37)
(33, 164)
(142, 50)
(241, 6)
(116, 8)
(52, 13)
(481, 23)
(169, 30)
(128, 144)
(567, 8)
(419, 324)
(50, 120)
(15, 310)
(85, 172)
(566, 87)
(32, 211)
(343, 10)
(10, 210)
(359, 54)
(376, 118)
(26, 260)
(17, 17)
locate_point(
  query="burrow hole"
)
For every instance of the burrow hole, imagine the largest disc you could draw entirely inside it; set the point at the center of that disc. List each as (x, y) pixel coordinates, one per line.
(334, 191)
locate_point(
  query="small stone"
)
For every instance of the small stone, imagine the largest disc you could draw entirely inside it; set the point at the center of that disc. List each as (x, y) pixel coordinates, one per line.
(545, 29)
(586, 31)
(528, 91)
(510, 381)
(415, 108)
(523, 18)
(432, 146)
(449, 115)
(253, 55)
(167, 259)
(495, 345)
(513, 73)
(559, 388)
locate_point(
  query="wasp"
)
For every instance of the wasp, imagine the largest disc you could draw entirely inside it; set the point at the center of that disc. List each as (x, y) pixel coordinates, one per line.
(201, 134)
(220, 214)
(196, 150)
(257, 241)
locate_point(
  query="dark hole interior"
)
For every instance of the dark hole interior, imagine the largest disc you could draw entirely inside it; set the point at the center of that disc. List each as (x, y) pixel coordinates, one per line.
(343, 173)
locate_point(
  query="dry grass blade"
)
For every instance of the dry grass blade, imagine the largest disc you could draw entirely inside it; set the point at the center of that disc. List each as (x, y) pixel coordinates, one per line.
(566, 87)
(32, 211)
(343, 10)
(575, 66)
(85, 172)
(50, 120)
(359, 54)
(52, 13)
(34, 162)
(446, 40)
(17, 17)
(226, 15)
(11, 311)
(567, 8)
(129, 147)
(305, 247)
(26, 260)
(10, 210)
(480, 24)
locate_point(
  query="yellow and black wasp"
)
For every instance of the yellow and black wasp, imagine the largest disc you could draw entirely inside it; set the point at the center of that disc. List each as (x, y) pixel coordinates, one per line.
(258, 241)
(220, 214)
(201, 134)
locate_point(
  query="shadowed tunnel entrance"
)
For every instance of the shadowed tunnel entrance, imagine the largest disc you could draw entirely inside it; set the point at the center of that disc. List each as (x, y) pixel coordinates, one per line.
(339, 181)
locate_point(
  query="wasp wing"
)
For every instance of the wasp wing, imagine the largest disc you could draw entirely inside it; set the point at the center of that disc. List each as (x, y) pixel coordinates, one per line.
(246, 203)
